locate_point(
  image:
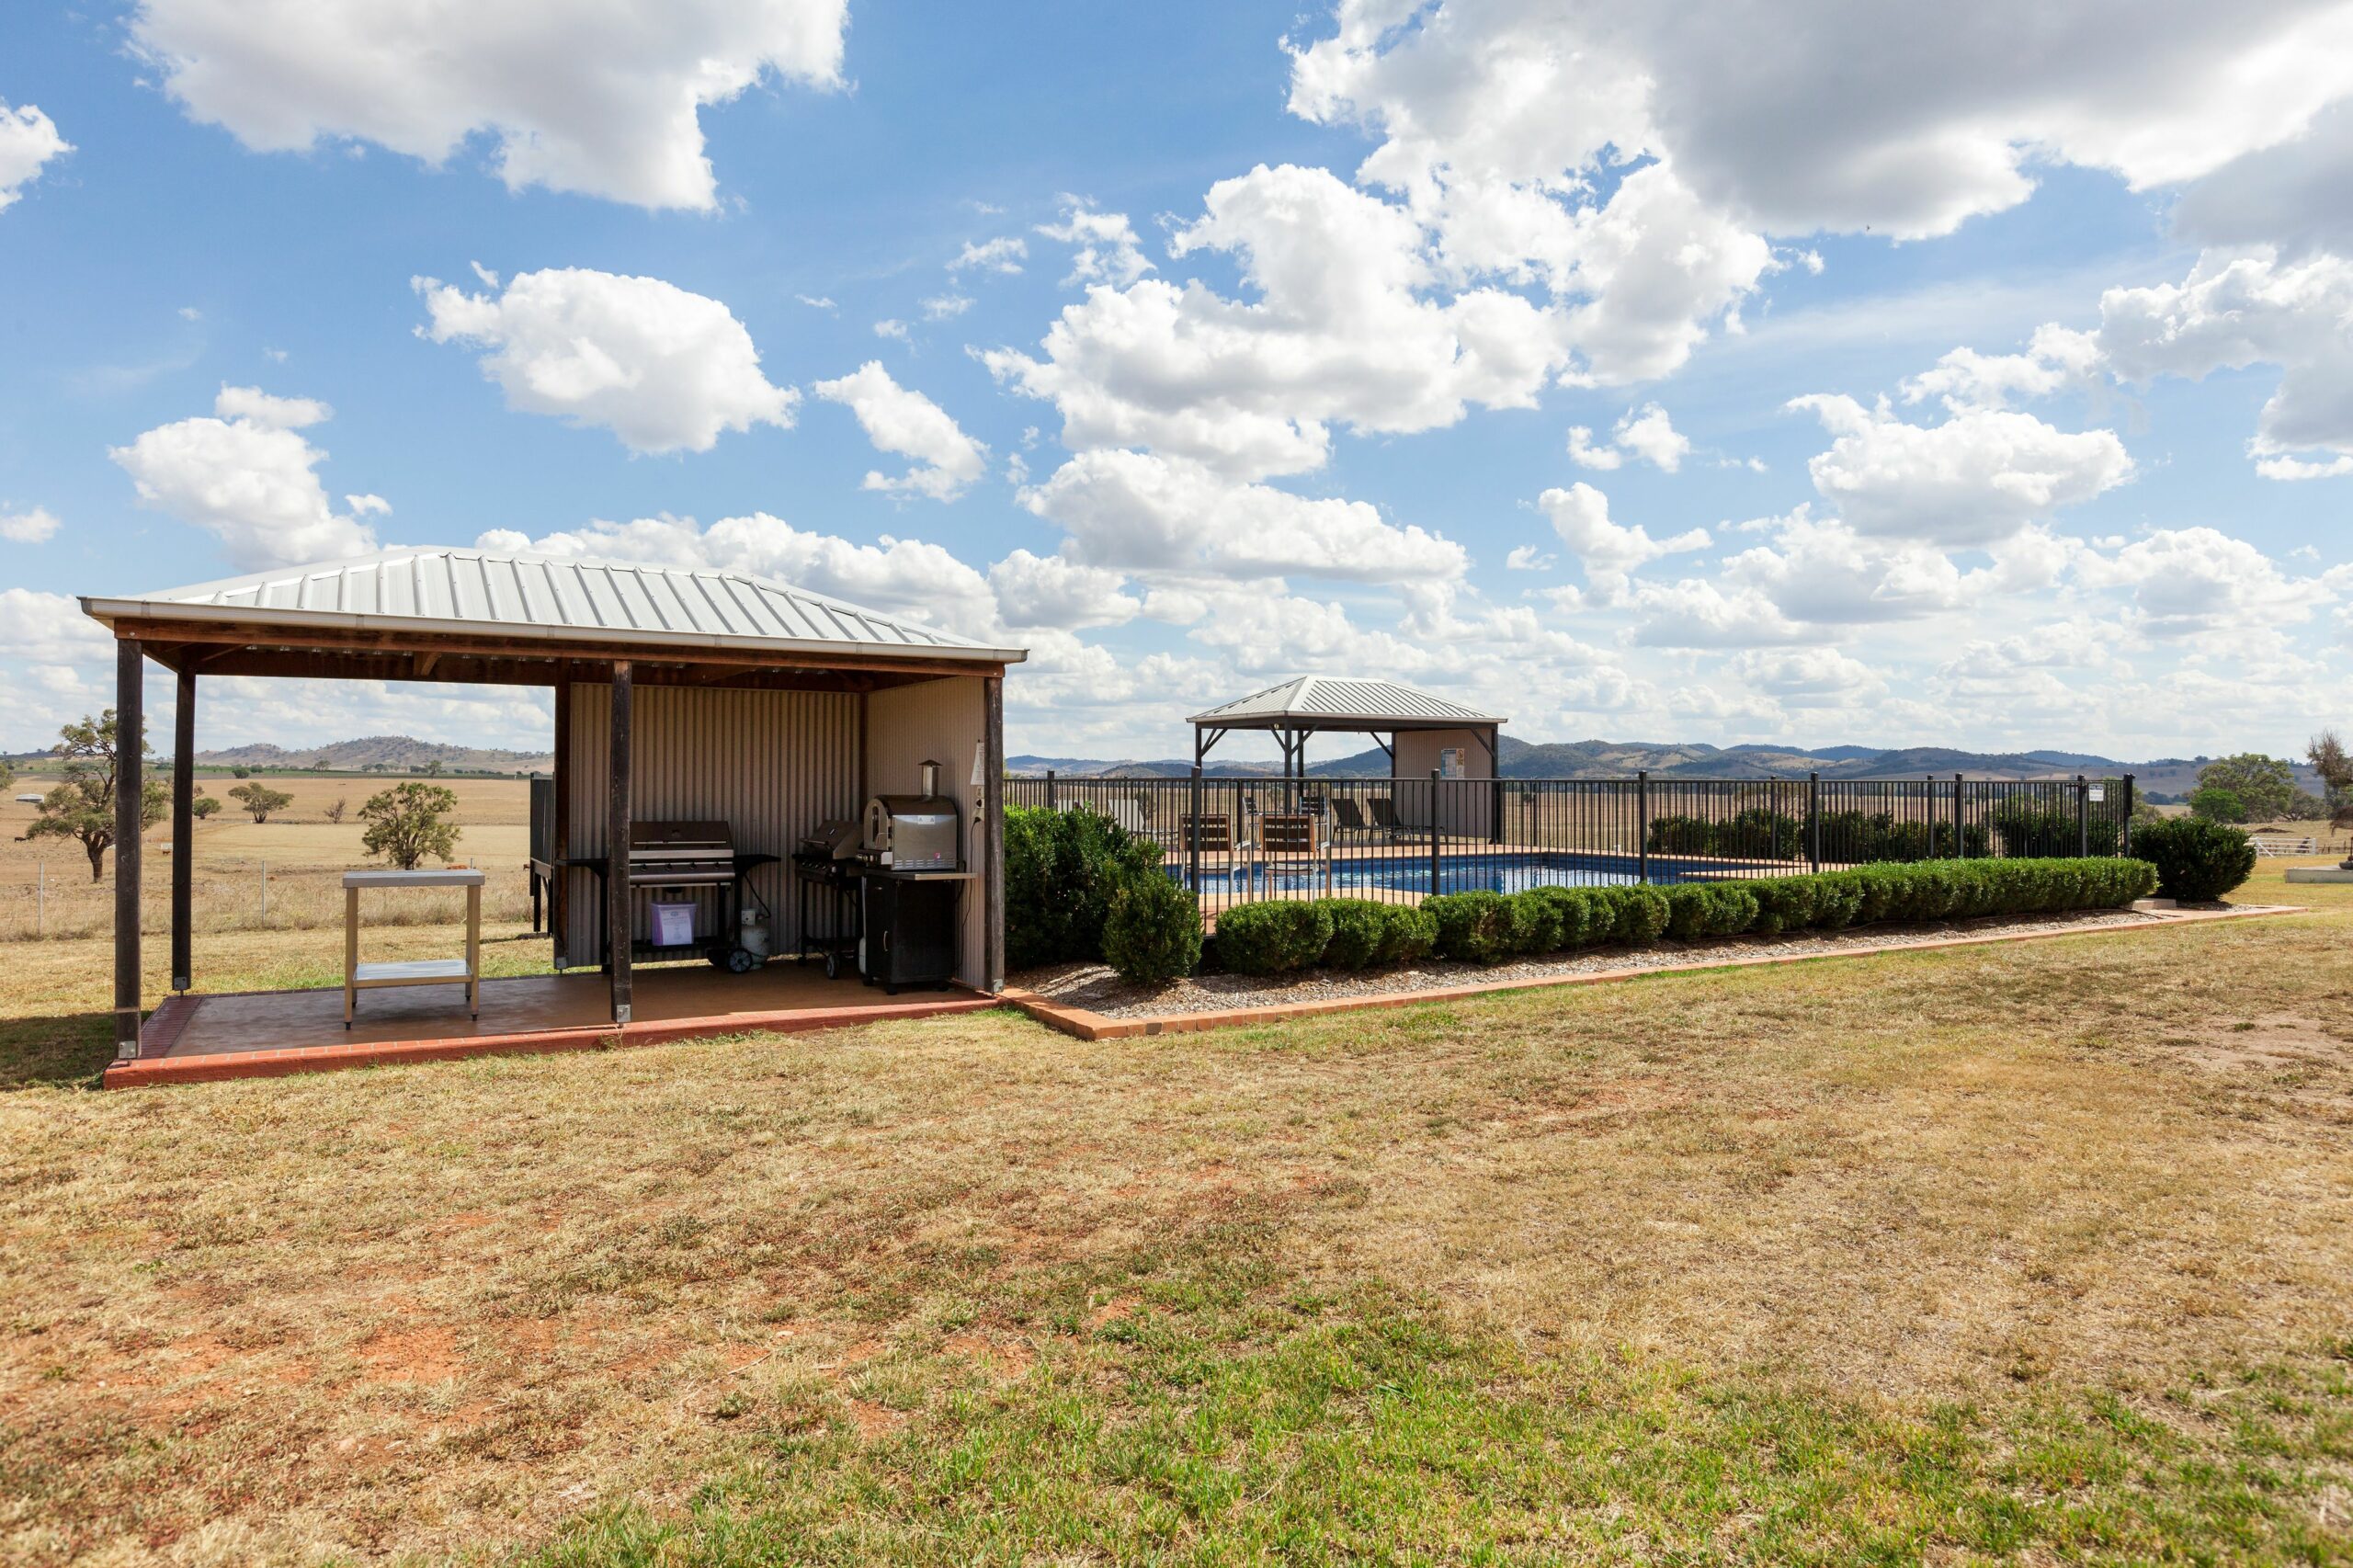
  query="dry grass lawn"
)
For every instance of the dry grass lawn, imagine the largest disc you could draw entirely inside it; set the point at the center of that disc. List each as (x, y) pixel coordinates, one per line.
(301, 852)
(2024, 1253)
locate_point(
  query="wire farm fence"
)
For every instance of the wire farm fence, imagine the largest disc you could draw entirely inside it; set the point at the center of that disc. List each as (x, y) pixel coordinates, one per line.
(1232, 840)
(59, 900)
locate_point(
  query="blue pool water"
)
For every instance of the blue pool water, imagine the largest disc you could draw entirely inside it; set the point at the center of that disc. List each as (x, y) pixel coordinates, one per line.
(1456, 873)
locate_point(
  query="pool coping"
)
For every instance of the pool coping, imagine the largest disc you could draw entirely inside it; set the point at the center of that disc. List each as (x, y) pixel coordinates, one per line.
(1082, 1022)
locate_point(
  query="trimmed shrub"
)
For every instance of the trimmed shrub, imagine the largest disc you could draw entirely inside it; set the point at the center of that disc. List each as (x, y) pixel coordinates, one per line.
(1681, 835)
(1535, 923)
(1637, 915)
(1274, 936)
(1472, 927)
(1838, 901)
(1407, 935)
(1568, 917)
(1359, 927)
(1786, 903)
(2197, 861)
(1060, 870)
(1152, 932)
(1697, 910)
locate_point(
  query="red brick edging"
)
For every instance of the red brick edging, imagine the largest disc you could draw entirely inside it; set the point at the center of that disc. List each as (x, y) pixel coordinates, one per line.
(1086, 1025)
(173, 1015)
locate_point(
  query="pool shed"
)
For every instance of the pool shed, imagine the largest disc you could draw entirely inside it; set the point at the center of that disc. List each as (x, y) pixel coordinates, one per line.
(680, 693)
(1423, 734)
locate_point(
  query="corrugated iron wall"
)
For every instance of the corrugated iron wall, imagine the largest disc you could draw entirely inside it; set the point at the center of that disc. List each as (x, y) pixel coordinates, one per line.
(939, 721)
(771, 764)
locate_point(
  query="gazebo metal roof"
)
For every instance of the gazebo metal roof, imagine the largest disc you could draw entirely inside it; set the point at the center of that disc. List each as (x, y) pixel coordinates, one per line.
(520, 598)
(1335, 702)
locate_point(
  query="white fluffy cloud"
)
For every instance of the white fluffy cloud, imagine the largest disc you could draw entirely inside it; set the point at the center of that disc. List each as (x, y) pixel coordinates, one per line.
(1103, 244)
(2185, 582)
(1004, 254)
(1054, 591)
(34, 526)
(906, 422)
(1964, 378)
(247, 476)
(665, 369)
(603, 99)
(1138, 512)
(1646, 433)
(1981, 476)
(1580, 515)
(1341, 331)
(2236, 310)
(1815, 116)
(48, 629)
(29, 139)
(906, 577)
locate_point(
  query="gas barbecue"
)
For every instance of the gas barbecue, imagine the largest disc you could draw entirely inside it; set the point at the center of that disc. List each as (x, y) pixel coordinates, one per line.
(666, 855)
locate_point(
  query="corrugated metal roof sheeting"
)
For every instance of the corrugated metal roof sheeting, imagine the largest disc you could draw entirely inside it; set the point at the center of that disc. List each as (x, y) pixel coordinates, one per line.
(1333, 697)
(498, 593)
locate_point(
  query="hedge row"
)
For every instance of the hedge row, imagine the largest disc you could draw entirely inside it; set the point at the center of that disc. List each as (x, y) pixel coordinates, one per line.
(1489, 927)
(1282, 935)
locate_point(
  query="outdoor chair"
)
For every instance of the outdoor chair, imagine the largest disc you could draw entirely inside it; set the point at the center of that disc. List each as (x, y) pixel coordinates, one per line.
(1350, 814)
(1384, 817)
(1213, 834)
(1294, 839)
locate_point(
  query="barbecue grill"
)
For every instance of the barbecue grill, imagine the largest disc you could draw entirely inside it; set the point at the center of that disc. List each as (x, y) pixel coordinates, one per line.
(664, 855)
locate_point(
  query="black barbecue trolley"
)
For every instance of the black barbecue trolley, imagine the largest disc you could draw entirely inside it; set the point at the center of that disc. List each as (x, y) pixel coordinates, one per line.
(821, 874)
(672, 855)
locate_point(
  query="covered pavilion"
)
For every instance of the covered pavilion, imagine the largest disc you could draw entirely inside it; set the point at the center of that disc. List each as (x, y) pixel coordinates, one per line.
(679, 693)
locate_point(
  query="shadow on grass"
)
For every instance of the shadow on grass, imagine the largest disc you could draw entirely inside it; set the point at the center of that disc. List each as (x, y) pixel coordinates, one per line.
(68, 1049)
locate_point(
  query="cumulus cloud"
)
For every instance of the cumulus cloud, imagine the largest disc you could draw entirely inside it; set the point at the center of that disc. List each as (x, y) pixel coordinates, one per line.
(1580, 517)
(2187, 582)
(1964, 378)
(1810, 116)
(604, 100)
(665, 369)
(1004, 254)
(1340, 331)
(1054, 591)
(29, 139)
(1807, 677)
(1141, 512)
(33, 527)
(246, 475)
(2236, 310)
(910, 578)
(1103, 244)
(1979, 477)
(48, 629)
(1646, 433)
(908, 423)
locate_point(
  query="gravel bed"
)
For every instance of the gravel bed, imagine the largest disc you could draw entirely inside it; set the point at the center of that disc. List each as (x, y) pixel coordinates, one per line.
(1099, 989)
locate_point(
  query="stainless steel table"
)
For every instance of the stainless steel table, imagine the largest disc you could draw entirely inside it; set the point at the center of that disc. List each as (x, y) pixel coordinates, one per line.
(466, 971)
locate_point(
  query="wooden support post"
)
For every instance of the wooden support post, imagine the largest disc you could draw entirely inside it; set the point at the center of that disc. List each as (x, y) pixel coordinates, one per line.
(182, 829)
(619, 905)
(560, 874)
(993, 821)
(130, 795)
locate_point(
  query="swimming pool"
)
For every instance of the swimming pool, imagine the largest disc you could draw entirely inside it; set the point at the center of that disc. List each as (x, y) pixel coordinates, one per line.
(1406, 873)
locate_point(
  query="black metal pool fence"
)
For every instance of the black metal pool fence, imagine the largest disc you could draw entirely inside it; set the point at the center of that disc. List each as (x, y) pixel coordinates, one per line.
(1235, 839)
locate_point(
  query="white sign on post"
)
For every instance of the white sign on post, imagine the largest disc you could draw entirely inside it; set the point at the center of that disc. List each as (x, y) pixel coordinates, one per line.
(2099, 793)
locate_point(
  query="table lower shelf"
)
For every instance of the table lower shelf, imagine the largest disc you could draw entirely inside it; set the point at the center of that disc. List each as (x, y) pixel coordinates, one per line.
(412, 971)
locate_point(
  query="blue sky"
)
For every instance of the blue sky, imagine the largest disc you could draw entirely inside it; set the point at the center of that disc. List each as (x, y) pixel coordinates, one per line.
(1298, 395)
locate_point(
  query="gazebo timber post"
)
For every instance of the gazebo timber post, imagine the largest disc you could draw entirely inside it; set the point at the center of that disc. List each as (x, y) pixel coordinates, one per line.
(618, 910)
(183, 828)
(992, 834)
(130, 795)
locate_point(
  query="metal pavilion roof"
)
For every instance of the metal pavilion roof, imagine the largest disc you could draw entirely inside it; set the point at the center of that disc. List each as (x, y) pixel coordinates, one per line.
(1332, 701)
(524, 597)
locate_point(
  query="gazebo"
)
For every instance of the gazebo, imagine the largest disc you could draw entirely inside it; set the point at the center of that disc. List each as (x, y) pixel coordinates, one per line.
(679, 693)
(1413, 728)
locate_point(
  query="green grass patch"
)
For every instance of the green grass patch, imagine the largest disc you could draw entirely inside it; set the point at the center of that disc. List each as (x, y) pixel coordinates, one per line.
(1238, 1413)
